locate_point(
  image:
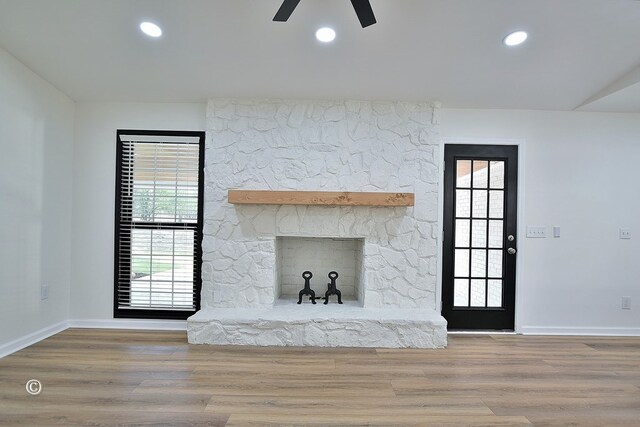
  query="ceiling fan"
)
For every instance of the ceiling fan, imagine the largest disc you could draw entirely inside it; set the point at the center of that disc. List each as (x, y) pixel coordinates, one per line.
(362, 7)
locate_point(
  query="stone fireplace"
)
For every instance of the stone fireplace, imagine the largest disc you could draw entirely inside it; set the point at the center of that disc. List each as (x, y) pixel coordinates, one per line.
(386, 256)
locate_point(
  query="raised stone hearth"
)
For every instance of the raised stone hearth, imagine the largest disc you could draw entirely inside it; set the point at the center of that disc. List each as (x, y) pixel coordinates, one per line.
(320, 146)
(347, 325)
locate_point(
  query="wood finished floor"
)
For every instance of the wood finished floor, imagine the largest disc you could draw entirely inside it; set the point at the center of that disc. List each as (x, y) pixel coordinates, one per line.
(99, 377)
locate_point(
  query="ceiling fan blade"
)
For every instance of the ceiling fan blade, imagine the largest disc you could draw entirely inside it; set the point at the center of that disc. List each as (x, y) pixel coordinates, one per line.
(285, 11)
(364, 12)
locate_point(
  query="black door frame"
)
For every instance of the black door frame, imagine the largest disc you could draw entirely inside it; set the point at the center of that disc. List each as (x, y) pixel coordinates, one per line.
(489, 318)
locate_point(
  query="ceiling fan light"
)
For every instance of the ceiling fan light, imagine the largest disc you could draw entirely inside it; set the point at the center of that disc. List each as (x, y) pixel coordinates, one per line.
(325, 34)
(515, 38)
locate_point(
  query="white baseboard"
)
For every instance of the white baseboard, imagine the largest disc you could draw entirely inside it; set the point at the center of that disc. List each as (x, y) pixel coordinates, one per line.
(571, 330)
(27, 340)
(155, 325)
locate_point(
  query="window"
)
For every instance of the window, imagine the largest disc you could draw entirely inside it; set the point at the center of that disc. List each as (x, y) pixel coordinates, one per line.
(158, 232)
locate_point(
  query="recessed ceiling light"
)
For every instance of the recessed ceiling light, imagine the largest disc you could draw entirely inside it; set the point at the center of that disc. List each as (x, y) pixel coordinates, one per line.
(151, 29)
(325, 34)
(515, 38)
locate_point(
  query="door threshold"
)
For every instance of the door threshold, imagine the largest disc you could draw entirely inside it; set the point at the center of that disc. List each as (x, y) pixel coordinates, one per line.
(481, 332)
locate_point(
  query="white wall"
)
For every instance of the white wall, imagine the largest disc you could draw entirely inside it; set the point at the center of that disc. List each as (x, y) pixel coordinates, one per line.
(94, 192)
(36, 143)
(581, 172)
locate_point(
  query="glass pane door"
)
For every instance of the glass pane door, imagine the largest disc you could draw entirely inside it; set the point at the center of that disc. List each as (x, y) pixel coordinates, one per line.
(478, 288)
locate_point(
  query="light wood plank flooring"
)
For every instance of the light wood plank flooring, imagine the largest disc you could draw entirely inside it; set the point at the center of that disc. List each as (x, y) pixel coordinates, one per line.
(100, 377)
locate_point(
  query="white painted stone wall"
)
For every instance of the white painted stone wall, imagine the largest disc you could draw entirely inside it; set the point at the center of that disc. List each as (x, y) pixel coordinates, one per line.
(342, 145)
(320, 145)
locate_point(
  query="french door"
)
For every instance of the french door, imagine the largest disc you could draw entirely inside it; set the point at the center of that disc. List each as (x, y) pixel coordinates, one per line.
(479, 245)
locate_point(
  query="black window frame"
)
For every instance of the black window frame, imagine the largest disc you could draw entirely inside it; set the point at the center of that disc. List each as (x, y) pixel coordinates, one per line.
(160, 314)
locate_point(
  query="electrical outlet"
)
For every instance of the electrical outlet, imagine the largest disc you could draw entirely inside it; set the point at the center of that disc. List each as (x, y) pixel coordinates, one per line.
(537, 231)
(626, 303)
(625, 233)
(44, 292)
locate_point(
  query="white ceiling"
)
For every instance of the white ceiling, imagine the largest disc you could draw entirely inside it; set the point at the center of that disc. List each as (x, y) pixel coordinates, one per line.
(446, 50)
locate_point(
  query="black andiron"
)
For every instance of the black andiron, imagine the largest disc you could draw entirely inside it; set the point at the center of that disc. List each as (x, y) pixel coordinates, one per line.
(307, 275)
(332, 290)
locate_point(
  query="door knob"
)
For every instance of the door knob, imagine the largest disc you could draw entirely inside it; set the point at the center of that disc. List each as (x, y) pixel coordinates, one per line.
(511, 251)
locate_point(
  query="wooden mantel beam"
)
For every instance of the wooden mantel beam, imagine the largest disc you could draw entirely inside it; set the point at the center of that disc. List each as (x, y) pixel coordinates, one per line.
(320, 198)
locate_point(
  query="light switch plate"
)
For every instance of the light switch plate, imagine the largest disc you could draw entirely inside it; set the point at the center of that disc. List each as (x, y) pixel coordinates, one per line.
(626, 303)
(556, 231)
(536, 231)
(625, 233)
